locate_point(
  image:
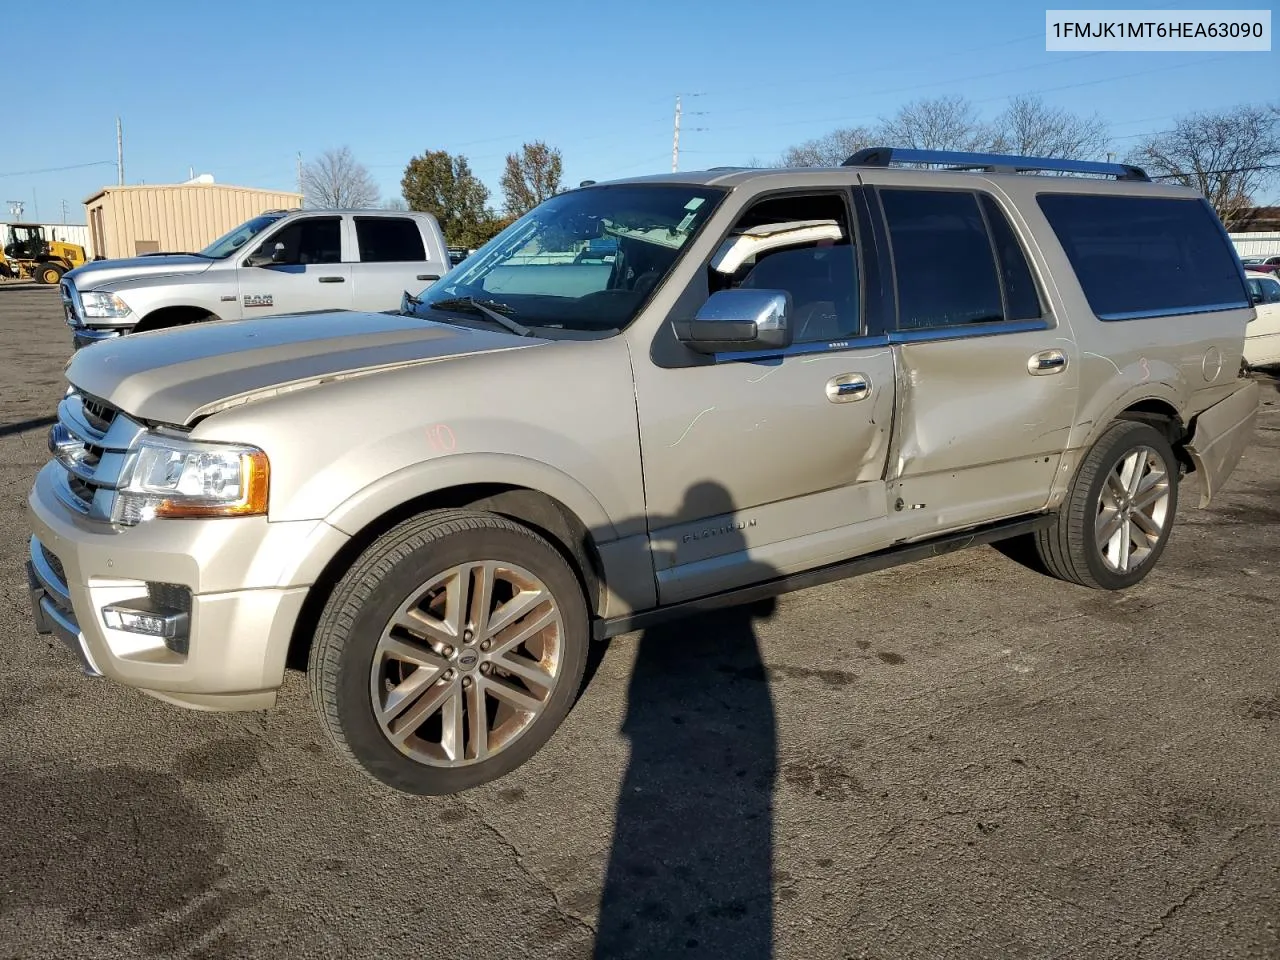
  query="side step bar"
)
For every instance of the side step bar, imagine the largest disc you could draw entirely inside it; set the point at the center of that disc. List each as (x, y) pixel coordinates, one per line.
(880, 560)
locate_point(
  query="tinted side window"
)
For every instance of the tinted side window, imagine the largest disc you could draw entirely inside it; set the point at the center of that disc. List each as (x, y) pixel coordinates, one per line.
(942, 257)
(388, 240)
(1270, 291)
(313, 240)
(1145, 256)
(821, 276)
(1022, 300)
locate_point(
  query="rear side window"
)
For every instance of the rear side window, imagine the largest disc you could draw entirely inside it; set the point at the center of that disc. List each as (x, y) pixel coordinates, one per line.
(943, 259)
(1146, 256)
(1022, 300)
(389, 240)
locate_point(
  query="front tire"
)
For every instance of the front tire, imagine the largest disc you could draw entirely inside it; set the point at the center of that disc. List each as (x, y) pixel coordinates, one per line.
(450, 652)
(48, 273)
(1116, 518)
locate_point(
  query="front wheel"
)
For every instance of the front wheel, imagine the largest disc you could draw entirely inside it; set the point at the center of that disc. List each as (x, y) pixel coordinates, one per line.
(1116, 518)
(450, 652)
(48, 273)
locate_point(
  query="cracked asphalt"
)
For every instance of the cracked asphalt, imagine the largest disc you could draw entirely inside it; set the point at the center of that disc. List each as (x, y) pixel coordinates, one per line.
(960, 758)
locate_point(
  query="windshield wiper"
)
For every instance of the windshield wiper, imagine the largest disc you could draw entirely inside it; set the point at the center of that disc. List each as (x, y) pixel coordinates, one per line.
(484, 307)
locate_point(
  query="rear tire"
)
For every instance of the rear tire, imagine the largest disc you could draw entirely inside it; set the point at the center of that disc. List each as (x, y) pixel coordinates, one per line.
(419, 671)
(1116, 518)
(49, 273)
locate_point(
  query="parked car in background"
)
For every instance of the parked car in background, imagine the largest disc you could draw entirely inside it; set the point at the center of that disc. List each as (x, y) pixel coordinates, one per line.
(278, 262)
(759, 380)
(1262, 338)
(1267, 264)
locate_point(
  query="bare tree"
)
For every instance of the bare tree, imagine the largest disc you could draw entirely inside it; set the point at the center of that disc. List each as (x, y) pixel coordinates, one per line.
(830, 150)
(1030, 127)
(335, 180)
(1227, 156)
(941, 123)
(531, 176)
(395, 203)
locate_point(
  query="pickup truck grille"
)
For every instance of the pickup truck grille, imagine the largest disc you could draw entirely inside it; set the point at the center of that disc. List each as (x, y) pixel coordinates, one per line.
(90, 442)
(70, 304)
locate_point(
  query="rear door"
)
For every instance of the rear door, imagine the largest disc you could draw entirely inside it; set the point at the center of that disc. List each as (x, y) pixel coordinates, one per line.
(987, 378)
(395, 254)
(309, 276)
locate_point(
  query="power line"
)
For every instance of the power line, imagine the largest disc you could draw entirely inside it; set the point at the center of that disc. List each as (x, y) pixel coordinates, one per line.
(1215, 173)
(74, 166)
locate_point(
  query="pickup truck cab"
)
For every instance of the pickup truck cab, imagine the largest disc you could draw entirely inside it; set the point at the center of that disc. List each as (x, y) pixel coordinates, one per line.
(642, 399)
(278, 262)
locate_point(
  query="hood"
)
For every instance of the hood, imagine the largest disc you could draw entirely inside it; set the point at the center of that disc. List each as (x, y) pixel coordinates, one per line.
(180, 374)
(97, 273)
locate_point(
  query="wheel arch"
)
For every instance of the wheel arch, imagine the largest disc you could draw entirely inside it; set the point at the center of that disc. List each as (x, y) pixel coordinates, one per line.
(164, 317)
(541, 512)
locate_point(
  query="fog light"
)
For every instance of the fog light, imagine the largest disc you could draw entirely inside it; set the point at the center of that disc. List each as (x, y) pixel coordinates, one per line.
(146, 617)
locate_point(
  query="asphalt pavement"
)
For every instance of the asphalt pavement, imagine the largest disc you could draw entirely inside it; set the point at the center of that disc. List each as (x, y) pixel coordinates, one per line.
(960, 758)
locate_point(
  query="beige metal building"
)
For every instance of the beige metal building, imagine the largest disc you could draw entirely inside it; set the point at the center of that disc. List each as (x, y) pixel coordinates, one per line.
(170, 218)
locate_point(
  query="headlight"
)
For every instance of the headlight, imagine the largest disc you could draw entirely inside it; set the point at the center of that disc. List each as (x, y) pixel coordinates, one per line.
(168, 477)
(103, 306)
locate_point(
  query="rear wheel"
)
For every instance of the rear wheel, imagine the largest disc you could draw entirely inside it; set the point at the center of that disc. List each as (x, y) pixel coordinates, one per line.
(1116, 518)
(450, 652)
(49, 273)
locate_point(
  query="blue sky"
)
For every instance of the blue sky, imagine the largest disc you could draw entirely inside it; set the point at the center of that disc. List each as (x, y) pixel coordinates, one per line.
(237, 89)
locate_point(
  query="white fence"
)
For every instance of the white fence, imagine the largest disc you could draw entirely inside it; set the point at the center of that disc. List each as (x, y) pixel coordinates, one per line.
(77, 233)
(1256, 244)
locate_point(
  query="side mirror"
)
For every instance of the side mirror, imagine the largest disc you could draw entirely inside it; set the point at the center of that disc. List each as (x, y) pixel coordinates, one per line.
(739, 319)
(1256, 298)
(263, 257)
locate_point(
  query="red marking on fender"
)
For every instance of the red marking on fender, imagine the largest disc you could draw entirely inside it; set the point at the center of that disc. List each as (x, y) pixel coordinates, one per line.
(441, 438)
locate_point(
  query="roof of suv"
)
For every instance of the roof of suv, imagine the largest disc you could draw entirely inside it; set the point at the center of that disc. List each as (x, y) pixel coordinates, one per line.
(1119, 178)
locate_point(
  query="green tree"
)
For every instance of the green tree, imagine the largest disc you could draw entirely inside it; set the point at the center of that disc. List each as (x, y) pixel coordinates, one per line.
(530, 177)
(443, 185)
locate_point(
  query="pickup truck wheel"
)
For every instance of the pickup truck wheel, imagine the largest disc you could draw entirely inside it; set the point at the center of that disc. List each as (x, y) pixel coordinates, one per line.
(450, 652)
(1116, 518)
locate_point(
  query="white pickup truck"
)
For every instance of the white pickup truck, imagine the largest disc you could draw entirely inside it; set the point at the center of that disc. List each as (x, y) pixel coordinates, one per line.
(278, 262)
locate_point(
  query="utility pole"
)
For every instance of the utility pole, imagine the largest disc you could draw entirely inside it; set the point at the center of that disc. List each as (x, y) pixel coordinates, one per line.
(64, 211)
(675, 138)
(35, 206)
(119, 153)
(300, 171)
(675, 141)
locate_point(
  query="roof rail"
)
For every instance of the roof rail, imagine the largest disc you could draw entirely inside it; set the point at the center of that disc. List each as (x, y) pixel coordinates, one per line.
(992, 162)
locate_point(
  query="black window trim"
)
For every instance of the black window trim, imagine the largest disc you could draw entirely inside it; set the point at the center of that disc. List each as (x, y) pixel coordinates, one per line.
(285, 223)
(1046, 321)
(1123, 316)
(868, 263)
(359, 218)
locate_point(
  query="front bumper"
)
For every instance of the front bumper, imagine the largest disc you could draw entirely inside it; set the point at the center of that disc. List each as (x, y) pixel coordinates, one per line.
(248, 579)
(86, 336)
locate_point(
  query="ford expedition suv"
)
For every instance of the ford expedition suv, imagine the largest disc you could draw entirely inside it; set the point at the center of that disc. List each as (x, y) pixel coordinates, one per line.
(643, 398)
(279, 262)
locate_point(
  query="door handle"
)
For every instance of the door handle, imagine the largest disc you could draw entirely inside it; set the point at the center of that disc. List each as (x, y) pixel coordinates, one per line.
(333, 279)
(428, 276)
(848, 387)
(1047, 361)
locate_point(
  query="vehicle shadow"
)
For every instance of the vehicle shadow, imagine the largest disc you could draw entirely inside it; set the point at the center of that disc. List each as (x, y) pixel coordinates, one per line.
(691, 863)
(22, 426)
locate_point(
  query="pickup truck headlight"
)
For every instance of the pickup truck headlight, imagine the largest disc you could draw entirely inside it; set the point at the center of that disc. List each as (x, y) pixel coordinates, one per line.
(171, 477)
(103, 306)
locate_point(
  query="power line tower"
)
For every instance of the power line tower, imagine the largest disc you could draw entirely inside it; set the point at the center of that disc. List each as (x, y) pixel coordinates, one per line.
(675, 136)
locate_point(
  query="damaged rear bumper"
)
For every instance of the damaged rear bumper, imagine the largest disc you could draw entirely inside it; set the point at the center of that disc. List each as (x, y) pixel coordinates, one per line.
(1219, 436)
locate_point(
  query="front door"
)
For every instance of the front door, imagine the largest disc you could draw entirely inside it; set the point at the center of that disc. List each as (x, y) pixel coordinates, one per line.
(310, 275)
(989, 379)
(760, 465)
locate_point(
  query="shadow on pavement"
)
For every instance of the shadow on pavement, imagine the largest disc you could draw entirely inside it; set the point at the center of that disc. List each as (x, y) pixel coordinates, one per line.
(22, 426)
(690, 868)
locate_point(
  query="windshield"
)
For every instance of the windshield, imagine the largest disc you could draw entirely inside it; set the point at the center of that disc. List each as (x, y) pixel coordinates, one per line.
(229, 243)
(583, 260)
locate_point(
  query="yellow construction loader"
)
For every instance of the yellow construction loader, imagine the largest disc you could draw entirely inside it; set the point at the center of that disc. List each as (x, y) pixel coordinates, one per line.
(28, 255)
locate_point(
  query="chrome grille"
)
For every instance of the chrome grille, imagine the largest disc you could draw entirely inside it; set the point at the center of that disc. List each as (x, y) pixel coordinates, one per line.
(70, 304)
(90, 442)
